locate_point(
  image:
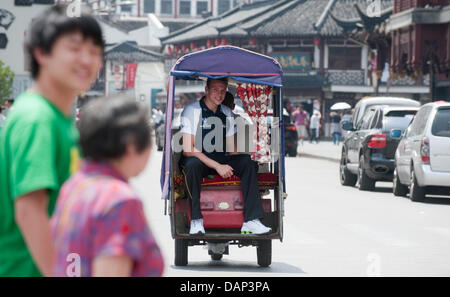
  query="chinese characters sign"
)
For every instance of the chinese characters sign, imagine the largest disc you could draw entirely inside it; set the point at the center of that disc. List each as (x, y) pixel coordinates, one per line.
(297, 62)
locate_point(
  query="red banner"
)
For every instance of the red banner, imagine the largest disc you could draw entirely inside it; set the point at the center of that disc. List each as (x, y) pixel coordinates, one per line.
(131, 75)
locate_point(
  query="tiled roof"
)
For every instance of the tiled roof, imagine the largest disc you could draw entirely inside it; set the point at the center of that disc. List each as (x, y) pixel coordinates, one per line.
(130, 52)
(279, 19)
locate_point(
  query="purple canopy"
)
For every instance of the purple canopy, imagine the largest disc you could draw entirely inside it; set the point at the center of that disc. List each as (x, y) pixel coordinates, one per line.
(237, 63)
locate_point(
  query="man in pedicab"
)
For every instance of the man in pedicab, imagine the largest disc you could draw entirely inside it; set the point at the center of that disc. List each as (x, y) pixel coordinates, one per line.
(199, 161)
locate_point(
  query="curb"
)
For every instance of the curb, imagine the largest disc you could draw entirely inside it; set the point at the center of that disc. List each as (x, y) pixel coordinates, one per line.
(312, 156)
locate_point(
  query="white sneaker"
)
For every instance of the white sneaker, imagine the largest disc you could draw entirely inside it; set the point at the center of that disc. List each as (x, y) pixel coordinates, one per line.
(197, 227)
(254, 227)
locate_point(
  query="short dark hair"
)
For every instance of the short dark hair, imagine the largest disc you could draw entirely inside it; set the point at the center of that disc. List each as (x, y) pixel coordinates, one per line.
(107, 125)
(223, 79)
(54, 22)
(229, 100)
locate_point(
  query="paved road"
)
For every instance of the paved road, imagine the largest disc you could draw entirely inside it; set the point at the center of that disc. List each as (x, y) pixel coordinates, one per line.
(330, 230)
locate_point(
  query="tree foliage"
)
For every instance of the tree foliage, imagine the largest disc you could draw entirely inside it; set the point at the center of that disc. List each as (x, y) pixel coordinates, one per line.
(6, 82)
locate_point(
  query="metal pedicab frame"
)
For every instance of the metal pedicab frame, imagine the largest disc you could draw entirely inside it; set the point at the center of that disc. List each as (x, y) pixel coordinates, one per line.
(242, 66)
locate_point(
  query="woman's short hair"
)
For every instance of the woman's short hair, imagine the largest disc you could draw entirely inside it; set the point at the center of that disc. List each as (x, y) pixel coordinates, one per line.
(107, 125)
(54, 22)
(229, 100)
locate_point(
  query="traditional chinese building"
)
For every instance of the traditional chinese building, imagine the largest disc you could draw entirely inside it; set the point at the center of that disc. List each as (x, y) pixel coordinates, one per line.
(320, 62)
(420, 33)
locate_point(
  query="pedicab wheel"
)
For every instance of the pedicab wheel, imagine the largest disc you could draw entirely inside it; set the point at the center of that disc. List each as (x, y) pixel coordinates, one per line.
(181, 252)
(216, 257)
(264, 253)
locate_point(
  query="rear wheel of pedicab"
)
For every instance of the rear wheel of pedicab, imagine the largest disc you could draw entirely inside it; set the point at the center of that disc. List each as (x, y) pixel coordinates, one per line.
(264, 252)
(181, 252)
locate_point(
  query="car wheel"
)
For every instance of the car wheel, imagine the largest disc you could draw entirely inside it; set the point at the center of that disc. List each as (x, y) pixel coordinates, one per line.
(416, 192)
(365, 183)
(398, 189)
(346, 177)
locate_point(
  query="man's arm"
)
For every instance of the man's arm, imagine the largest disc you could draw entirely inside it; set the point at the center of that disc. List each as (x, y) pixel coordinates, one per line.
(31, 214)
(189, 150)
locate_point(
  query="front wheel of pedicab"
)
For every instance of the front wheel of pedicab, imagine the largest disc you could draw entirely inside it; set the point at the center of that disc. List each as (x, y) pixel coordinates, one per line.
(264, 252)
(181, 252)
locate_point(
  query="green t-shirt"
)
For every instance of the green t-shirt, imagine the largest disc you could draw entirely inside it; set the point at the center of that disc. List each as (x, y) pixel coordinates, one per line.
(38, 150)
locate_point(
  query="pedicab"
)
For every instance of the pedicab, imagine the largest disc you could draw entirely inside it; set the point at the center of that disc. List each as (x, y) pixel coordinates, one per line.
(258, 82)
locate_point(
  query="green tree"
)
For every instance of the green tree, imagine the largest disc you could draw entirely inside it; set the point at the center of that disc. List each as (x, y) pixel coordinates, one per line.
(6, 82)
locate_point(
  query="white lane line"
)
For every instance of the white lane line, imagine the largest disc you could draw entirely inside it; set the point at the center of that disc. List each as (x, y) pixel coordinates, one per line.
(439, 231)
(382, 237)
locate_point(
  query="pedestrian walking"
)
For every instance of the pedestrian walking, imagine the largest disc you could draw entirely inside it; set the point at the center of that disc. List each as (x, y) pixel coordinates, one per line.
(98, 215)
(301, 118)
(335, 119)
(38, 145)
(314, 126)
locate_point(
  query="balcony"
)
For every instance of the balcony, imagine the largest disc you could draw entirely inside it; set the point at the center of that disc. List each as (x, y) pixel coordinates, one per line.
(344, 77)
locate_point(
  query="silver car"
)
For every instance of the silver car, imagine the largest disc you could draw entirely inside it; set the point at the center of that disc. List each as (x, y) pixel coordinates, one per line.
(422, 158)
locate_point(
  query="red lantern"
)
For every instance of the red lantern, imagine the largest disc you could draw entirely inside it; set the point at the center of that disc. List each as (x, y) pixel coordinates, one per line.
(208, 43)
(169, 49)
(224, 41)
(253, 41)
(183, 47)
(192, 45)
(176, 48)
(217, 42)
(317, 41)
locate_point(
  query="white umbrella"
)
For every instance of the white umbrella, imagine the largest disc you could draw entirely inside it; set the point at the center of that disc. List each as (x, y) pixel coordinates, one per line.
(340, 106)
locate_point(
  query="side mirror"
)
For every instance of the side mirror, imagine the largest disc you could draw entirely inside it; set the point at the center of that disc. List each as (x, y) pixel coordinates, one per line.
(346, 125)
(396, 133)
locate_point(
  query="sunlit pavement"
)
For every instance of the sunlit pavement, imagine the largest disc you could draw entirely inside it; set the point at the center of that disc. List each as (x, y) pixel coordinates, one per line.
(330, 230)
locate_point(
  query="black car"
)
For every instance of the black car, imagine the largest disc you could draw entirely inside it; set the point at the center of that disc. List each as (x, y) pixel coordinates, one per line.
(290, 137)
(369, 149)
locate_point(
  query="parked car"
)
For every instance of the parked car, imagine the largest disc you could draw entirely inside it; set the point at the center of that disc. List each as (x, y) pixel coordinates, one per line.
(290, 135)
(368, 151)
(423, 156)
(364, 104)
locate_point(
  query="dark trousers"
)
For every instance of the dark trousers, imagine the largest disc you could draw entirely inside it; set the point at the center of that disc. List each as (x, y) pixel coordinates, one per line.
(243, 167)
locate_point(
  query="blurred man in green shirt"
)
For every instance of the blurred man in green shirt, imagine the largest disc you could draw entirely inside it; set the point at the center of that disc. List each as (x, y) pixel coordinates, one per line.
(38, 143)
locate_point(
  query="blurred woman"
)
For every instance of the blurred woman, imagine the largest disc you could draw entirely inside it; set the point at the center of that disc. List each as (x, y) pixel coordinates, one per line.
(99, 221)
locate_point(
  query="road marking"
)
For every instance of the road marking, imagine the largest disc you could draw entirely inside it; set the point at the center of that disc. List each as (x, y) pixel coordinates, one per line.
(439, 231)
(379, 236)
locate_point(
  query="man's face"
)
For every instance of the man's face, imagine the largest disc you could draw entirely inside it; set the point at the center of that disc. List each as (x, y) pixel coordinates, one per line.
(216, 91)
(73, 61)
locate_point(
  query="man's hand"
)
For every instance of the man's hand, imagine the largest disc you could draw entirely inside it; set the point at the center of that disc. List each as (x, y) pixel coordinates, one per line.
(224, 170)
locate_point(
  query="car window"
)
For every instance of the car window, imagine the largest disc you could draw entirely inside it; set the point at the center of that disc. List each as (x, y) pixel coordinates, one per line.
(377, 118)
(420, 121)
(441, 123)
(398, 119)
(366, 120)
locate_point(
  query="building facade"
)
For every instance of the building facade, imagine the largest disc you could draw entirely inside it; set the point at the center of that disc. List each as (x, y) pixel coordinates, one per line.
(322, 65)
(420, 33)
(168, 8)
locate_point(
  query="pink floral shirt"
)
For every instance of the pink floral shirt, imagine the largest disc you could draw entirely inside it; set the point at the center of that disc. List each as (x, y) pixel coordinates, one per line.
(98, 214)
